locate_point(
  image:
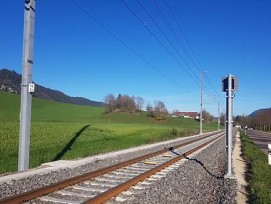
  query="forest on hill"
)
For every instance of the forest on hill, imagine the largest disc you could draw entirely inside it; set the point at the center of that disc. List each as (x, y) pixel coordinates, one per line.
(259, 120)
(10, 81)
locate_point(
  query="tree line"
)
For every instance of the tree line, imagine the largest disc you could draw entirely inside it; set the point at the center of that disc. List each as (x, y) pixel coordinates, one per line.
(260, 120)
(131, 104)
(123, 103)
(157, 110)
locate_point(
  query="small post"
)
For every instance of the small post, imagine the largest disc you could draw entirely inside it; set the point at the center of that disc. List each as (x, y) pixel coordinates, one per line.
(201, 101)
(269, 154)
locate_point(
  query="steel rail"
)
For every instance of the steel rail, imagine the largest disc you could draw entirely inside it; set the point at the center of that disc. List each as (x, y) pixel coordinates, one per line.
(107, 195)
(26, 196)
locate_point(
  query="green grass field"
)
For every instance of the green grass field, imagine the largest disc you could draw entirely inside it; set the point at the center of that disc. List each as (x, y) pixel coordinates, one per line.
(66, 131)
(259, 172)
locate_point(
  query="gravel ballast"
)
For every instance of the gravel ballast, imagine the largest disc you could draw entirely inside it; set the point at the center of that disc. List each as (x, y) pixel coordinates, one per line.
(199, 180)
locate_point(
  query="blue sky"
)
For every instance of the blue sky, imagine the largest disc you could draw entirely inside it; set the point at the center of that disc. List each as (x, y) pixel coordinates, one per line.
(75, 55)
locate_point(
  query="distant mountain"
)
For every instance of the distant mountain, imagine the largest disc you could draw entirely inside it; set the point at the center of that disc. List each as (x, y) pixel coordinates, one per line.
(10, 81)
(260, 111)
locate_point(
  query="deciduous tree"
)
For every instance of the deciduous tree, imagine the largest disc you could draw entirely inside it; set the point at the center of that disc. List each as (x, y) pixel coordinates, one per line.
(110, 103)
(139, 101)
(160, 111)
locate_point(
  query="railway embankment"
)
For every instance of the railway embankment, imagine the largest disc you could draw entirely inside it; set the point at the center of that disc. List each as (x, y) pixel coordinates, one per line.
(199, 179)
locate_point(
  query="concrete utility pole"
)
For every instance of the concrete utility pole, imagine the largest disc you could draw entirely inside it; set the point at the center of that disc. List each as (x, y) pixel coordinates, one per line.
(27, 87)
(201, 100)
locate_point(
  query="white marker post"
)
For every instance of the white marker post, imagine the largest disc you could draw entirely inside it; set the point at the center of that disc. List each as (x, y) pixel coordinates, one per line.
(269, 154)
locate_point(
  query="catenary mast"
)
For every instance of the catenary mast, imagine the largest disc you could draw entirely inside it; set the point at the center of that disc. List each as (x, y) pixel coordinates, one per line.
(27, 87)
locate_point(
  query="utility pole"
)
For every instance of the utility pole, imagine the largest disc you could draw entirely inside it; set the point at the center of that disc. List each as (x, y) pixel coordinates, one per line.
(229, 124)
(201, 101)
(218, 117)
(27, 87)
(229, 84)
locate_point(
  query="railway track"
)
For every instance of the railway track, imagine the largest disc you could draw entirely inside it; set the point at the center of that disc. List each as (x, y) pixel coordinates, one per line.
(104, 185)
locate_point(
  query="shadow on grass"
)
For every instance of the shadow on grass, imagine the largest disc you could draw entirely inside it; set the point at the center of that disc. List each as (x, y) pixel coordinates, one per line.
(69, 145)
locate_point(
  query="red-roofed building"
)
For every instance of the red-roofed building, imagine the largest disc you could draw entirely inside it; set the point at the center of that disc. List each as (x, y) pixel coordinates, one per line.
(194, 115)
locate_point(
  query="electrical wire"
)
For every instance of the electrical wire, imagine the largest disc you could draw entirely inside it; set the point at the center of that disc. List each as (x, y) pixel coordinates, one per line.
(136, 53)
(170, 28)
(176, 50)
(179, 41)
(178, 25)
(204, 87)
(124, 44)
(190, 47)
(159, 42)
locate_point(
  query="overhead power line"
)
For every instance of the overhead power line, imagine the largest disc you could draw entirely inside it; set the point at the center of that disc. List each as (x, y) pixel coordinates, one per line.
(164, 18)
(139, 55)
(174, 47)
(190, 47)
(211, 85)
(124, 44)
(178, 25)
(195, 76)
(159, 42)
(170, 28)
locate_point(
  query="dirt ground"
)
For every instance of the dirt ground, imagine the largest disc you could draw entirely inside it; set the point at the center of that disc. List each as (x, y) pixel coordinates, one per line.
(239, 168)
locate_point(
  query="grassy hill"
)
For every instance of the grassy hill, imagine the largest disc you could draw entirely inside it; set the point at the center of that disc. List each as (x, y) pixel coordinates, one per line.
(67, 131)
(44, 110)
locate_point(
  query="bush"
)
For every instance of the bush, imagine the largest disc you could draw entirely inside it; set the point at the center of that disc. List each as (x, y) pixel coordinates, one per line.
(174, 132)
